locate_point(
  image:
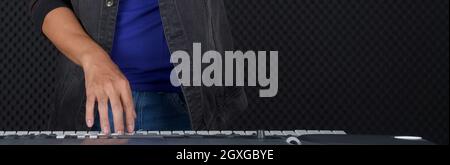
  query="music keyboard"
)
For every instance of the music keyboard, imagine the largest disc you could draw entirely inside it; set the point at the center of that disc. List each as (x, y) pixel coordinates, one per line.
(260, 137)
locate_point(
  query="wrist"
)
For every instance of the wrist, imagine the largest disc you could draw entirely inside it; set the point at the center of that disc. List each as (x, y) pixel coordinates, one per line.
(90, 58)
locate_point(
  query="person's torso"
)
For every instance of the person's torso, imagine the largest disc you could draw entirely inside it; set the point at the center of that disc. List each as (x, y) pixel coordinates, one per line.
(140, 49)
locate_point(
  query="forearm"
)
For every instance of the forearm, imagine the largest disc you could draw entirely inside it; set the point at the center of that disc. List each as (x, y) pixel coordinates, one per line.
(66, 33)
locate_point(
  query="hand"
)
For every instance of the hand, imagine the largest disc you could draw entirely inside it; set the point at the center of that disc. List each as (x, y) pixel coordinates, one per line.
(105, 82)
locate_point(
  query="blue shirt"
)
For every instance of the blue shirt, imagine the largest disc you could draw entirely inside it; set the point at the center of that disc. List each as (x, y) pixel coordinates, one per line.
(140, 49)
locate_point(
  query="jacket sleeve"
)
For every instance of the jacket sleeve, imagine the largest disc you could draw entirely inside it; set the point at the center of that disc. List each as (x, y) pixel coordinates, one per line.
(40, 9)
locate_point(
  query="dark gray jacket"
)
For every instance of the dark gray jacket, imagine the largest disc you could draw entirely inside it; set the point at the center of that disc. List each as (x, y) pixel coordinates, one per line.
(185, 22)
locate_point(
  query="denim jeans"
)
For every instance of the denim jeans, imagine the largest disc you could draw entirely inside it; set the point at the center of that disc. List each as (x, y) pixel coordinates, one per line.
(156, 111)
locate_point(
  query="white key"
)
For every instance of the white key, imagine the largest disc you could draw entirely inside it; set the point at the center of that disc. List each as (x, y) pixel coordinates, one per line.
(93, 132)
(102, 134)
(22, 133)
(301, 132)
(313, 132)
(166, 133)
(10, 133)
(214, 132)
(267, 133)
(250, 133)
(153, 133)
(190, 133)
(202, 133)
(2, 133)
(339, 132)
(178, 132)
(58, 132)
(45, 132)
(81, 132)
(239, 133)
(226, 132)
(116, 134)
(326, 132)
(288, 133)
(71, 133)
(142, 132)
(276, 133)
(33, 133)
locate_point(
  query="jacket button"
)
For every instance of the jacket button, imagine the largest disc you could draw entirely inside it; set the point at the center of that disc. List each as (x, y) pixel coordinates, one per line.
(109, 3)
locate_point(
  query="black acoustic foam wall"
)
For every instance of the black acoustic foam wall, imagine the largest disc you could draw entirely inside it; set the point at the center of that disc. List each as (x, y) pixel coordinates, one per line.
(367, 67)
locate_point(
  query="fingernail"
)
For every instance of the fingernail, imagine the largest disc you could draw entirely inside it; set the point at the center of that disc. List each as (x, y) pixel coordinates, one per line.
(89, 123)
(105, 130)
(130, 128)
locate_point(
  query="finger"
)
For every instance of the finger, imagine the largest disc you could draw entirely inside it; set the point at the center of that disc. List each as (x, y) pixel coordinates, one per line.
(90, 103)
(102, 100)
(130, 113)
(117, 110)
